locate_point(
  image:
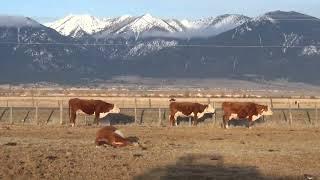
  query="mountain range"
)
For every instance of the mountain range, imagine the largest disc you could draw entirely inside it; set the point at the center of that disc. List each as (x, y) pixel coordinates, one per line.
(145, 25)
(81, 48)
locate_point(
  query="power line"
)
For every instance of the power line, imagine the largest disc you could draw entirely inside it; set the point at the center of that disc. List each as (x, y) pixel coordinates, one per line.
(178, 45)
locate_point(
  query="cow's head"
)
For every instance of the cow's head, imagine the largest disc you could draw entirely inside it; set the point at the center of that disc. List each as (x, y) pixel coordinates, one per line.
(209, 109)
(264, 110)
(114, 110)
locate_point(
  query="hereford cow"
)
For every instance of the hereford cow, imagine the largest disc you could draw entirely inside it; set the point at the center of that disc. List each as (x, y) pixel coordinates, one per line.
(112, 136)
(188, 109)
(243, 110)
(97, 107)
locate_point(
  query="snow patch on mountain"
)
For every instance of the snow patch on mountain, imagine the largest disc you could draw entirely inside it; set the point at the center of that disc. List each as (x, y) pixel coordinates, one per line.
(291, 40)
(310, 51)
(143, 49)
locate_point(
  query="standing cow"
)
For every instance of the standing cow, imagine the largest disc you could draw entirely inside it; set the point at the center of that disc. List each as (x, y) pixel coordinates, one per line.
(188, 109)
(97, 107)
(243, 110)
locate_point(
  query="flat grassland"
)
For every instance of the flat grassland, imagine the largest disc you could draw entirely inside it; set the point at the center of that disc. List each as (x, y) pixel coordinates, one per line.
(60, 152)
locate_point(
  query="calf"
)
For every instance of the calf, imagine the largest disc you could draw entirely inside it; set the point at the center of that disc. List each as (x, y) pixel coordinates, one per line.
(188, 109)
(112, 136)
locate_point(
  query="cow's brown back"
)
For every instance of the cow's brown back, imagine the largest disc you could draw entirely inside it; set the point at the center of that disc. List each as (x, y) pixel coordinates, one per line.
(89, 107)
(108, 135)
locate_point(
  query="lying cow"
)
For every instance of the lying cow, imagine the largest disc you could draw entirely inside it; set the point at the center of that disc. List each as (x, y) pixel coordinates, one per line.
(110, 135)
(243, 110)
(97, 108)
(188, 109)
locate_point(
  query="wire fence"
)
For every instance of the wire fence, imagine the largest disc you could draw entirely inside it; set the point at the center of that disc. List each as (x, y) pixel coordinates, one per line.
(155, 112)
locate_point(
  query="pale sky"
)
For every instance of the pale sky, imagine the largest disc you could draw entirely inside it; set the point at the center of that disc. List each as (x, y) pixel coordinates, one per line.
(49, 10)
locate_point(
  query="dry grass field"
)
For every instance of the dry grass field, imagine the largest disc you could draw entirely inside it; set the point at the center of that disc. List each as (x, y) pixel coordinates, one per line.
(38, 147)
(52, 152)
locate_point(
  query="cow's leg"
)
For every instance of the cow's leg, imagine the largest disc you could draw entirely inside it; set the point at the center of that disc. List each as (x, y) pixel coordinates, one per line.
(96, 118)
(225, 120)
(250, 122)
(195, 119)
(172, 119)
(73, 117)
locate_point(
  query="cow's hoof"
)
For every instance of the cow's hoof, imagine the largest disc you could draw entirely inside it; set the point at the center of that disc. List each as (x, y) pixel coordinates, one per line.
(72, 124)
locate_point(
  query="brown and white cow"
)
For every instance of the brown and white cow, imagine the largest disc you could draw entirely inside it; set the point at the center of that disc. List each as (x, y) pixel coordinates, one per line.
(188, 109)
(110, 135)
(98, 108)
(243, 110)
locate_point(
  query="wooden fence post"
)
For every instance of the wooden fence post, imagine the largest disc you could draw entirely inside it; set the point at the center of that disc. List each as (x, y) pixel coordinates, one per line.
(215, 114)
(61, 112)
(290, 112)
(308, 115)
(3, 112)
(271, 103)
(25, 118)
(135, 111)
(316, 114)
(36, 113)
(284, 115)
(11, 115)
(149, 103)
(160, 117)
(52, 111)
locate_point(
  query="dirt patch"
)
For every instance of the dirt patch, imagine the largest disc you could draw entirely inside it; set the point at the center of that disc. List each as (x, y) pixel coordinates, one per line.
(168, 153)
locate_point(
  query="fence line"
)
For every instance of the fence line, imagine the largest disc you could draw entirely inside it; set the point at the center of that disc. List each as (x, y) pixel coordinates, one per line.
(147, 111)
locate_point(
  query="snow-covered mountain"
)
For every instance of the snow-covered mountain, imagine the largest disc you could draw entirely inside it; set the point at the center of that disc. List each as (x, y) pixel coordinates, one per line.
(78, 25)
(145, 25)
(212, 26)
(31, 52)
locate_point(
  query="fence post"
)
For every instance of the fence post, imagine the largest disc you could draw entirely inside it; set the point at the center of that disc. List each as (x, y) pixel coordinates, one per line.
(290, 112)
(36, 113)
(271, 103)
(61, 112)
(309, 118)
(316, 114)
(25, 117)
(50, 115)
(135, 111)
(215, 113)
(160, 117)
(3, 112)
(149, 103)
(11, 115)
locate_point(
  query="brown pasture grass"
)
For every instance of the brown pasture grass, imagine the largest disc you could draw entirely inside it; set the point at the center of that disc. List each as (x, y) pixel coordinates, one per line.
(204, 152)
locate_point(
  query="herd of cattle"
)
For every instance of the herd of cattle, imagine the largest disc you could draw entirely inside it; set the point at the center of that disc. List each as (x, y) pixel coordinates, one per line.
(112, 136)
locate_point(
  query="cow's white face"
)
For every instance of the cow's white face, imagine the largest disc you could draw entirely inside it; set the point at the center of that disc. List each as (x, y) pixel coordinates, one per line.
(267, 113)
(115, 109)
(209, 109)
